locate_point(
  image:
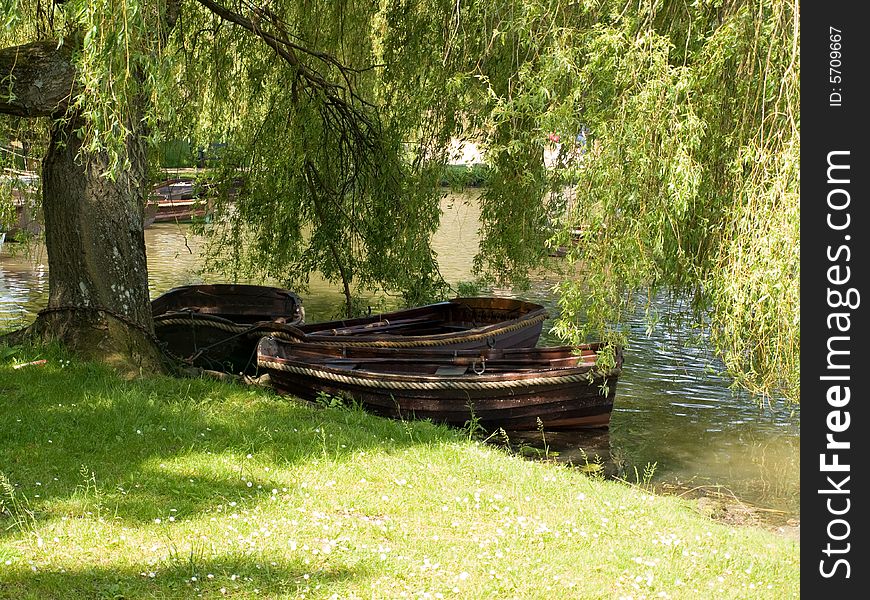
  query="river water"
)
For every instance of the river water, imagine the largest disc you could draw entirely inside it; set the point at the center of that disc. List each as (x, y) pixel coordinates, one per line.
(674, 412)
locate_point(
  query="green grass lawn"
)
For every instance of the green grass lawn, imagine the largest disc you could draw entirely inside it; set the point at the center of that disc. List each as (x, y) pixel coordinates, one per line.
(172, 488)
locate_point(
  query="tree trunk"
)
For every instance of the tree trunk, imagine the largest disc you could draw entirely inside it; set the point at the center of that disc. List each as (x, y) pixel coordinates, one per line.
(94, 233)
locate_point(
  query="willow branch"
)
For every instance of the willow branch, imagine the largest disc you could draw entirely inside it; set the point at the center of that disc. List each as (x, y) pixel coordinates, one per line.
(285, 49)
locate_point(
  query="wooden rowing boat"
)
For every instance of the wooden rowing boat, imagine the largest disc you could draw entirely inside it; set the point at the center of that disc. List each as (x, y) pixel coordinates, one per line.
(516, 389)
(214, 326)
(177, 200)
(454, 324)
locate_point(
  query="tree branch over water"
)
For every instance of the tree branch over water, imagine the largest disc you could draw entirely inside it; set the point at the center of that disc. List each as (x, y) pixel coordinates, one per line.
(287, 49)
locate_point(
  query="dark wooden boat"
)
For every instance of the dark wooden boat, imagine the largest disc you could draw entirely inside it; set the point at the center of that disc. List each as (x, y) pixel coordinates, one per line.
(213, 326)
(454, 324)
(515, 388)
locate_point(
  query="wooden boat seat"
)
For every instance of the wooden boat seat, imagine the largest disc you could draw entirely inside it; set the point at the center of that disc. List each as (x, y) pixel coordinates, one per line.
(344, 366)
(452, 370)
(375, 328)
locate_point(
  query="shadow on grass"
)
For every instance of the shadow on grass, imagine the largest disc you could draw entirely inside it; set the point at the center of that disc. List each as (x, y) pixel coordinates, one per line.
(77, 437)
(211, 578)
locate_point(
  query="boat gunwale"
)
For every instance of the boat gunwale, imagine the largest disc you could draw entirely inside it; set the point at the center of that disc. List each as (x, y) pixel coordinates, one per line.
(529, 377)
(169, 305)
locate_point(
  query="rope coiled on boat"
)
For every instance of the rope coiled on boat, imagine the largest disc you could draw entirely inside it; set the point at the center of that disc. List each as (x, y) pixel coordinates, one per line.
(225, 326)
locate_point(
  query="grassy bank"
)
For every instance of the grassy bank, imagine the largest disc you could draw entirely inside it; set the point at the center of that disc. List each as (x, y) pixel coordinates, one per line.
(169, 488)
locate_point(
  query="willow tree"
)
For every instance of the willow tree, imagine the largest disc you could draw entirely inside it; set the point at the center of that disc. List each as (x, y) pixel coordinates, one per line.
(93, 179)
(685, 182)
(693, 177)
(337, 116)
(336, 161)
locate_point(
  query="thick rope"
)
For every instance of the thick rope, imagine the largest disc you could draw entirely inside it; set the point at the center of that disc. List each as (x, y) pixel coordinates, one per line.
(225, 326)
(442, 384)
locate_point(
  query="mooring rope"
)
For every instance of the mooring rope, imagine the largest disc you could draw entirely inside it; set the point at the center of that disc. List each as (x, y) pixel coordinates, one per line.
(443, 384)
(192, 320)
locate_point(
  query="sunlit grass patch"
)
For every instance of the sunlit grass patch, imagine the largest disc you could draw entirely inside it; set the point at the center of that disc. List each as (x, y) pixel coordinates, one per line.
(173, 488)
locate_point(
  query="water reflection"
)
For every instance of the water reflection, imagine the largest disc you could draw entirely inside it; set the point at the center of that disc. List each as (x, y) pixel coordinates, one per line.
(672, 408)
(23, 284)
(676, 410)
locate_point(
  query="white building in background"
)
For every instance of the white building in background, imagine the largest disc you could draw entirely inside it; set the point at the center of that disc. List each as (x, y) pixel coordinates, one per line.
(469, 153)
(464, 153)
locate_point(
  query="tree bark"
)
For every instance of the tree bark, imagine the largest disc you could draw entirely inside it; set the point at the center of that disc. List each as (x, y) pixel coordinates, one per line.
(98, 303)
(94, 234)
(37, 79)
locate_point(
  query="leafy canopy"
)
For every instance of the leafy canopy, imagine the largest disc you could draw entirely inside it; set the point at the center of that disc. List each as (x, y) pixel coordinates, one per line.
(337, 115)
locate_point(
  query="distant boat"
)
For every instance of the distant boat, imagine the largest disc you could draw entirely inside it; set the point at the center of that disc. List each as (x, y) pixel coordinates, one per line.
(212, 325)
(455, 324)
(179, 188)
(515, 389)
(176, 200)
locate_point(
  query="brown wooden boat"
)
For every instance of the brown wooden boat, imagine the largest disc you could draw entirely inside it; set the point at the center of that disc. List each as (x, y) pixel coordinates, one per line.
(455, 324)
(176, 200)
(176, 211)
(515, 389)
(213, 326)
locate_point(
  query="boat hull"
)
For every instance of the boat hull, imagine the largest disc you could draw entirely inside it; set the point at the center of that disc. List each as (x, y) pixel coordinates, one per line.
(461, 323)
(214, 326)
(518, 389)
(176, 211)
(177, 200)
